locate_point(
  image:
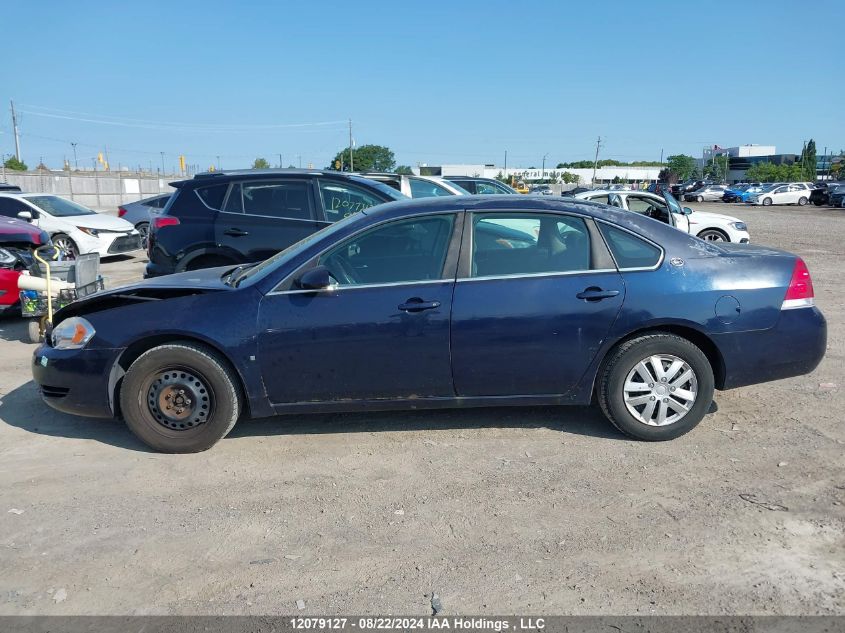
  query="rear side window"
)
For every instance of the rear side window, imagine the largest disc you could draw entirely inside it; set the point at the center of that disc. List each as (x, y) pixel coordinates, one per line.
(277, 199)
(427, 189)
(213, 196)
(526, 244)
(628, 250)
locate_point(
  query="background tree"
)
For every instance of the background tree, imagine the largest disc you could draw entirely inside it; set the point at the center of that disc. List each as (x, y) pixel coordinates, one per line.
(405, 170)
(569, 178)
(808, 161)
(367, 158)
(682, 165)
(717, 168)
(668, 176)
(260, 163)
(15, 165)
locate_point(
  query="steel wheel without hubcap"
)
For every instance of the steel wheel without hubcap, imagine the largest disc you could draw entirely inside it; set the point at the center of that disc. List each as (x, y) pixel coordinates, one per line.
(660, 390)
(179, 399)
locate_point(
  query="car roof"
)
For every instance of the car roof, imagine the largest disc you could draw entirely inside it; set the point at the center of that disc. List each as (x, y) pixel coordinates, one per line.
(650, 228)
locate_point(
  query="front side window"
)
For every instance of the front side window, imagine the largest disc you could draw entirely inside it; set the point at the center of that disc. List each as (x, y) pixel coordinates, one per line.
(341, 199)
(649, 207)
(427, 189)
(628, 250)
(525, 244)
(277, 199)
(397, 252)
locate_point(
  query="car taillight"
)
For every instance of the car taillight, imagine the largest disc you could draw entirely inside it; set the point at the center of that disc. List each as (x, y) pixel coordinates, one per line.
(800, 293)
(121, 212)
(164, 220)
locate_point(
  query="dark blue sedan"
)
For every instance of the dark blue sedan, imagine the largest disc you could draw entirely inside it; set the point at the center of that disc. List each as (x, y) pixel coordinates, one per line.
(459, 301)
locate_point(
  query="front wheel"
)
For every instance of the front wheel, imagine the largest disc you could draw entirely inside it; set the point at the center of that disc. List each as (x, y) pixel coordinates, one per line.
(713, 235)
(767, 202)
(700, 198)
(656, 387)
(180, 398)
(143, 229)
(66, 246)
(802, 201)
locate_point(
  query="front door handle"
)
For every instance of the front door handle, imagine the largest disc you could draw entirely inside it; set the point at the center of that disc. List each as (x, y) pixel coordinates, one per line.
(416, 304)
(594, 293)
(235, 232)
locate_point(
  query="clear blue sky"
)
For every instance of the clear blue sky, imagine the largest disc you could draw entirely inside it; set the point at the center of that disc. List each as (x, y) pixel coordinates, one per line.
(437, 82)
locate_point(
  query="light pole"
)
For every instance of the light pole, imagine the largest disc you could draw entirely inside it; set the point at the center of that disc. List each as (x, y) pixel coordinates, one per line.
(75, 162)
(543, 172)
(162, 163)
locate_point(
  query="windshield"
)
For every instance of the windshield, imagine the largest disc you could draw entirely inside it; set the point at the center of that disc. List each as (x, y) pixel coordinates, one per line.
(258, 271)
(59, 207)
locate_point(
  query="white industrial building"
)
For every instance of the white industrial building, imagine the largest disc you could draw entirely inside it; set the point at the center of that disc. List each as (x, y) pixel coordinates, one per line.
(603, 174)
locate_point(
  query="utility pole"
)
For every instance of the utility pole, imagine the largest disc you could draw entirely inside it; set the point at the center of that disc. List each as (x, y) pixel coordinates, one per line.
(300, 160)
(218, 162)
(351, 161)
(15, 129)
(661, 155)
(75, 162)
(162, 163)
(596, 162)
(280, 161)
(543, 172)
(506, 164)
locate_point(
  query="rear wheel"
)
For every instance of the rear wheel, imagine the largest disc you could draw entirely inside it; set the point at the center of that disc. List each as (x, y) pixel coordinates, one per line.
(207, 261)
(180, 398)
(700, 198)
(656, 387)
(802, 201)
(144, 231)
(767, 202)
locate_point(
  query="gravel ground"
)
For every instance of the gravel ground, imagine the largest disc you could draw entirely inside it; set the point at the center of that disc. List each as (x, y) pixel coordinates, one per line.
(542, 510)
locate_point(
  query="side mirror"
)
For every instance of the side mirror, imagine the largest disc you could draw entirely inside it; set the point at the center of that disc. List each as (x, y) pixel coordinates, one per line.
(25, 215)
(687, 211)
(318, 278)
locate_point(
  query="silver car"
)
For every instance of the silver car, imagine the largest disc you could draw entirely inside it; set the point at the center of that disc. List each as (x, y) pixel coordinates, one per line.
(139, 213)
(707, 193)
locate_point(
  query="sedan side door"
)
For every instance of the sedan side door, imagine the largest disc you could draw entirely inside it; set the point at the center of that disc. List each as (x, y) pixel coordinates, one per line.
(380, 332)
(529, 315)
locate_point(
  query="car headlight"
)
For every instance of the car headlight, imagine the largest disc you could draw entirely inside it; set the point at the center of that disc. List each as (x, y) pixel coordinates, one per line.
(91, 232)
(6, 258)
(72, 333)
(739, 226)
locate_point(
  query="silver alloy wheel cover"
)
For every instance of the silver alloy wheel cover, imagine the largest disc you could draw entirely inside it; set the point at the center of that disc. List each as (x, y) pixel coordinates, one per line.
(65, 246)
(660, 390)
(713, 236)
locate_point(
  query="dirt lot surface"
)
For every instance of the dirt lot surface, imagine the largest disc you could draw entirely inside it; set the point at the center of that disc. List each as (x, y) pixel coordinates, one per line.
(544, 510)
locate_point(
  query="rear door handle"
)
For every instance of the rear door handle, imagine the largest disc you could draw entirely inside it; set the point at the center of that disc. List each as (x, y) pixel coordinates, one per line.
(596, 294)
(418, 305)
(235, 232)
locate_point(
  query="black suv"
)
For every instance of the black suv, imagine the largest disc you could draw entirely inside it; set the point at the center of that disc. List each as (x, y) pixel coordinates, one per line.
(820, 195)
(235, 217)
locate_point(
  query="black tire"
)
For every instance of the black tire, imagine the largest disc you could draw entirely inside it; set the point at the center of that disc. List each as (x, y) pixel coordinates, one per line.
(63, 243)
(714, 235)
(767, 202)
(622, 360)
(802, 201)
(700, 198)
(201, 374)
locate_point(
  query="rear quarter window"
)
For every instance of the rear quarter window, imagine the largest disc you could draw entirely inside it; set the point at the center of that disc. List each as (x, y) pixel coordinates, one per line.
(213, 195)
(628, 250)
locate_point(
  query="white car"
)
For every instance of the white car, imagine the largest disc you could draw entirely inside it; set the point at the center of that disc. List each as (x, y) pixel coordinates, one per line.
(713, 227)
(419, 186)
(76, 230)
(792, 193)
